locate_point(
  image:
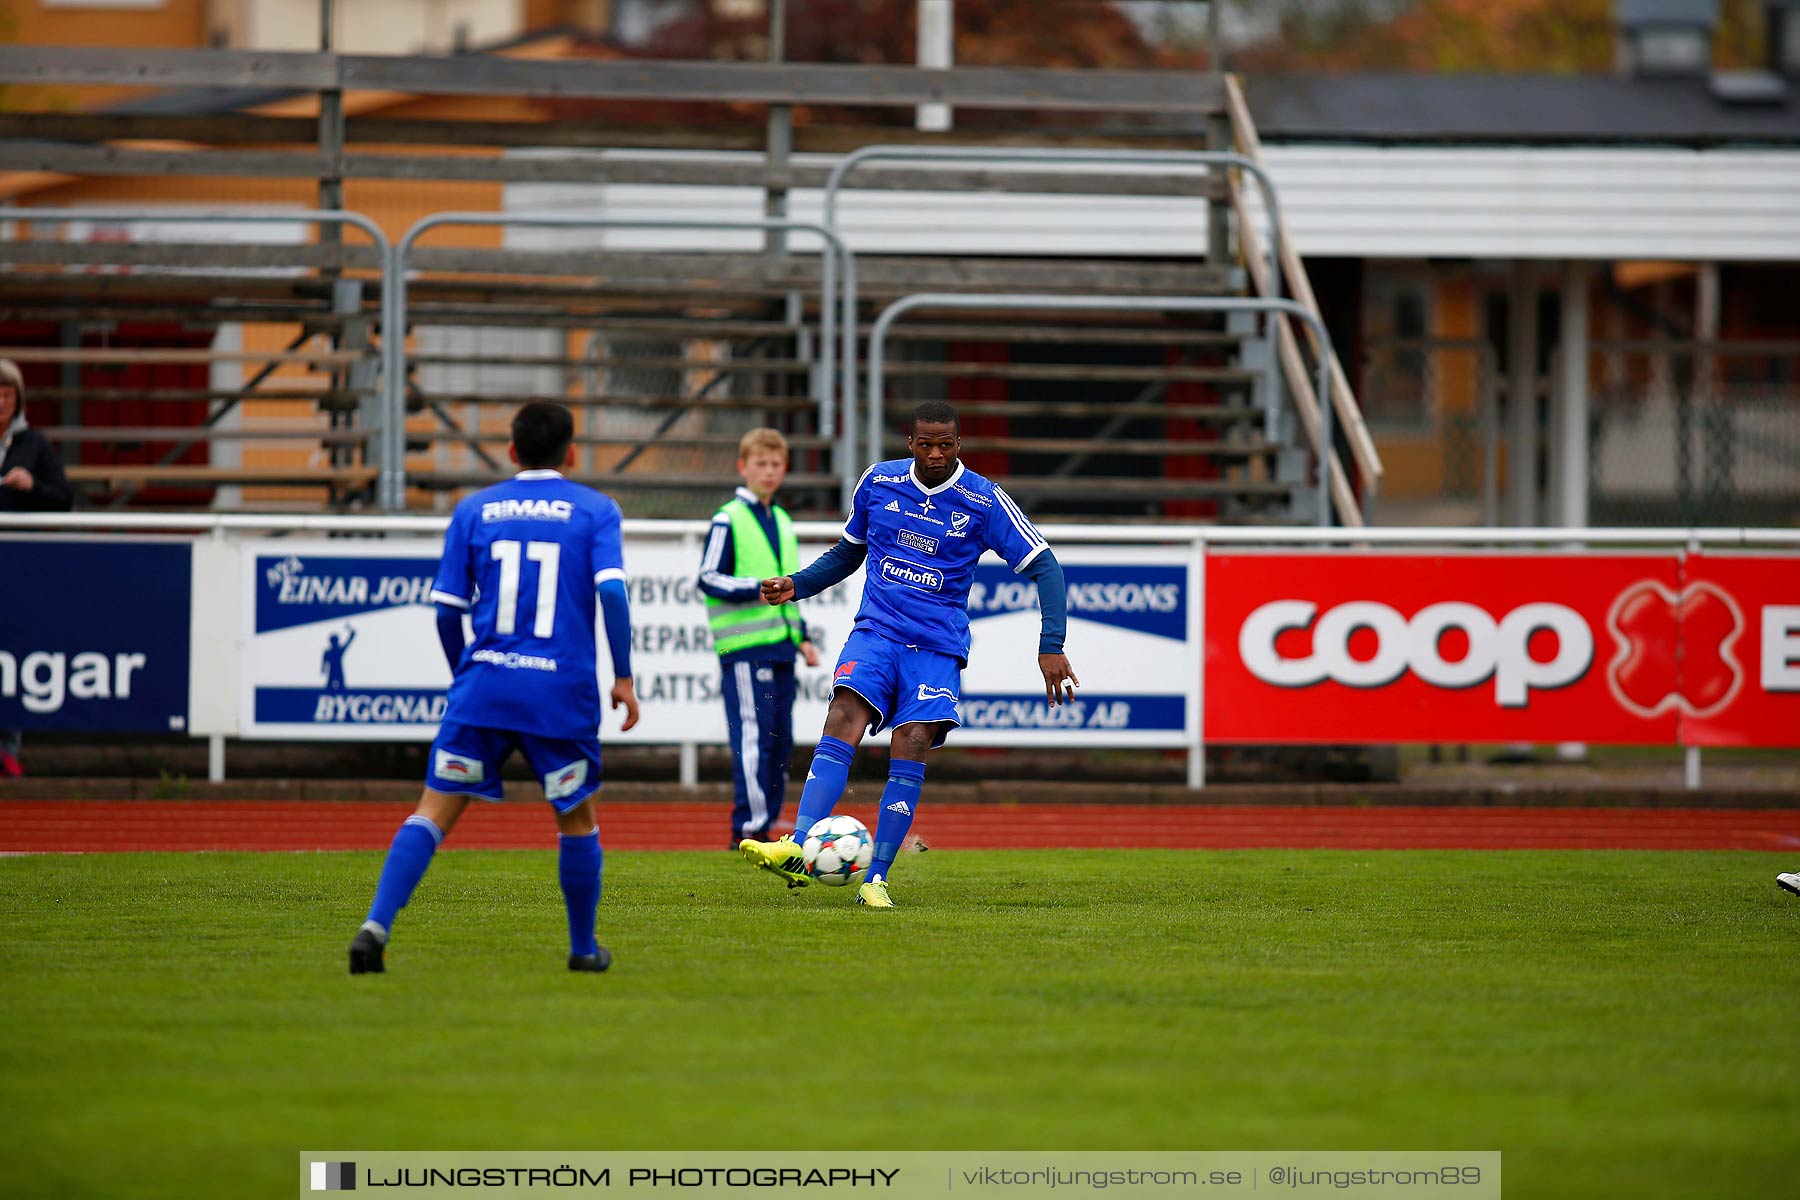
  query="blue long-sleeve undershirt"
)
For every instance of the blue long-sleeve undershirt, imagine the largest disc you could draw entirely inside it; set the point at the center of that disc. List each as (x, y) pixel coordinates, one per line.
(829, 569)
(1053, 601)
(615, 610)
(450, 634)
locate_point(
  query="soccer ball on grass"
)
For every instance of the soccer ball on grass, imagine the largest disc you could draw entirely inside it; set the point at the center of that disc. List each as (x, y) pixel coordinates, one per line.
(838, 850)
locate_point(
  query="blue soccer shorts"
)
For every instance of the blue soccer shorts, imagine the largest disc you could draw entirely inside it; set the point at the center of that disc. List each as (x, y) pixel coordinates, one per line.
(902, 684)
(466, 760)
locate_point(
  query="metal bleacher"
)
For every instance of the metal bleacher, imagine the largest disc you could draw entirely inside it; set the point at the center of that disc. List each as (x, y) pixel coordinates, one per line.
(258, 373)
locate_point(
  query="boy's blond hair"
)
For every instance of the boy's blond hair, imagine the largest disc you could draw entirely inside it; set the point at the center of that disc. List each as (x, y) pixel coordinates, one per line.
(762, 439)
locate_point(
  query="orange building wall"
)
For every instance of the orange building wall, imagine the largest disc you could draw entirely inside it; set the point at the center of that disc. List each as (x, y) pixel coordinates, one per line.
(173, 23)
(177, 23)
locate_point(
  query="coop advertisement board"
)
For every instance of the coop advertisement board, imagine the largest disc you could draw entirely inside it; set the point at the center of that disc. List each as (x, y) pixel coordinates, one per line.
(340, 642)
(1533, 647)
(94, 634)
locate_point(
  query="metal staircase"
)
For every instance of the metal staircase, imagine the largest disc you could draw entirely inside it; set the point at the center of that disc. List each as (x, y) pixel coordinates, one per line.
(669, 351)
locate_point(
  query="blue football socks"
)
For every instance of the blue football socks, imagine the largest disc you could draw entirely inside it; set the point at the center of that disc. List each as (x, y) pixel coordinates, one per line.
(579, 870)
(899, 801)
(407, 858)
(825, 783)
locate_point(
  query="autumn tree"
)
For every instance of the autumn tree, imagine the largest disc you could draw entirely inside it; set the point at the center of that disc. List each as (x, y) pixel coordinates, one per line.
(1552, 36)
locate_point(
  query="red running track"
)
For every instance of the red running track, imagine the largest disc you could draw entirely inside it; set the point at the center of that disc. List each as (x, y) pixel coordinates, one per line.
(28, 826)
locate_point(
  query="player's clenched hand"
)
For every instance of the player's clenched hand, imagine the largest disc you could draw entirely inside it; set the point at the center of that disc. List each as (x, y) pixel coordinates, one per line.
(779, 590)
(1059, 678)
(624, 693)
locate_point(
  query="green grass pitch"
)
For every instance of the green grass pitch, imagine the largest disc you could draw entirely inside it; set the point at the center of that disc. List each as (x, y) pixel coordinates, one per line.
(1615, 1023)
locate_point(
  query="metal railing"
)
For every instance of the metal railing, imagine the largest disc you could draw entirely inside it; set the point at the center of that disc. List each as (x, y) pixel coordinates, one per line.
(1026, 300)
(1220, 160)
(831, 356)
(1727, 536)
(1362, 445)
(1215, 159)
(385, 436)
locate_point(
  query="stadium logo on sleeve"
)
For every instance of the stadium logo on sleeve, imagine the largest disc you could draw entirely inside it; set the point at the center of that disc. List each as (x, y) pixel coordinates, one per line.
(913, 575)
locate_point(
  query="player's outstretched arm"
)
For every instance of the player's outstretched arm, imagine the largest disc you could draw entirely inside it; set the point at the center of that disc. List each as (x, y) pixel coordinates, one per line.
(1053, 603)
(828, 570)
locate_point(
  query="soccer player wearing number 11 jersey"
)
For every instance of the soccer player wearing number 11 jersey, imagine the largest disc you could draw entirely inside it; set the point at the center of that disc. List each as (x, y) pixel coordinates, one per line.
(921, 523)
(525, 559)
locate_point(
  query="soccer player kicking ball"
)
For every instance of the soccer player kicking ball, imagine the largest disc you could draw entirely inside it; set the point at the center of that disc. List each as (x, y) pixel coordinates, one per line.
(921, 524)
(525, 559)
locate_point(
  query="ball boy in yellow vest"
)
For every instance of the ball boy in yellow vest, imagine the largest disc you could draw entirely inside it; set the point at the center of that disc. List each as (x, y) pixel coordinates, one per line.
(752, 540)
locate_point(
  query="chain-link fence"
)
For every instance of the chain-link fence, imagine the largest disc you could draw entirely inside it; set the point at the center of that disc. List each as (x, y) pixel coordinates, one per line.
(1695, 433)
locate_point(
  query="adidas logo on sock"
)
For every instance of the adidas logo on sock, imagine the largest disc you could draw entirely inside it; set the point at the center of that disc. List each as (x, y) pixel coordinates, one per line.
(809, 775)
(893, 506)
(901, 807)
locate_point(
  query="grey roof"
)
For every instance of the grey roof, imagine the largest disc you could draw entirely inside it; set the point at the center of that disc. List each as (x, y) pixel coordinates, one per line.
(1667, 12)
(1513, 109)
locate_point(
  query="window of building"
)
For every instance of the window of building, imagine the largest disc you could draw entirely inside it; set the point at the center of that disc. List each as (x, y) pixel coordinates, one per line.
(1396, 378)
(1673, 51)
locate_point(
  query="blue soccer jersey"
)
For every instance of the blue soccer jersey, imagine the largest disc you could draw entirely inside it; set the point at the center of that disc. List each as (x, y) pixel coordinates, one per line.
(524, 557)
(923, 546)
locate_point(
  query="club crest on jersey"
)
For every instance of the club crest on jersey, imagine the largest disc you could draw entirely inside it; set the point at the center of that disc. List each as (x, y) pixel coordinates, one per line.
(959, 524)
(913, 575)
(918, 541)
(457, 767)
(565, 780)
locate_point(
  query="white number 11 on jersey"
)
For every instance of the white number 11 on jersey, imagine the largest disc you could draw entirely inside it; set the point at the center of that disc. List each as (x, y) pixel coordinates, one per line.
(549, 555)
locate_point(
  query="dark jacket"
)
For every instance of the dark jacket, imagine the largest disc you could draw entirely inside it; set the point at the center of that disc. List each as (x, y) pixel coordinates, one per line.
(50, 487)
